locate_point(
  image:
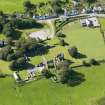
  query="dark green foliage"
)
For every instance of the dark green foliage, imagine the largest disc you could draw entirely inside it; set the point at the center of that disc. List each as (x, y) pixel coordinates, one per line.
(61, 42)
(31, 47)
(4, 52)
(8, 30)
(9, 41)
(28, 6)
(18, 64)
(26, 45)
(64, 65)
(101, 101)
(57, 6)
(64, 76)
(90, 1)
(50, 64)
(63, 71)
(24, 23)
(1, 27)
(75, 78)
(10, 57)
(46, 73)
(60, 34)
(73, 51)
(94, 62)
(2, 75)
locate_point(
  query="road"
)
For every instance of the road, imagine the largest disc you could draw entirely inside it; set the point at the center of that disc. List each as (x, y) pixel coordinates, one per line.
(76, 16)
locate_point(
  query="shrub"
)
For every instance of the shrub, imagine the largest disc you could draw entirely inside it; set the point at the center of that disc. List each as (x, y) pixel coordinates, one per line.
(73, 51)
(64, 76)
(60, 34)
(4, 52)
(61, 42)
(2, 75)
(94, 62)
(18, 64)
(8, 30)
(50, 64)
(10, 57)
(46, 73)
(85, 63)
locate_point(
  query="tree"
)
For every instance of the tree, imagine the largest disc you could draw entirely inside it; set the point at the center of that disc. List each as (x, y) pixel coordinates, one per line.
(24, 23)
(73, 51)
(5, 51)
(94, 62)
(1, 27)
(60, 34)
(28, 5)
(46, 73)
(56, 5)
(9, 41)
(1, 13)
(18, 64)
(8, 30)
(10, 57)
(64, 76)
(63, 71)
(90, 2)
(61, 42)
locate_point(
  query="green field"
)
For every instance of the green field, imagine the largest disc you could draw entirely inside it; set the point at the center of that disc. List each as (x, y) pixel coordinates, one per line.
(88, 40)
(45, 92)
(14, 5)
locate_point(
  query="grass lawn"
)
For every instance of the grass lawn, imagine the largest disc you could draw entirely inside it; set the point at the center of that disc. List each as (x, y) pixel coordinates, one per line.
(15, 5)
(45, 92)
(88, 41)
(102, 22)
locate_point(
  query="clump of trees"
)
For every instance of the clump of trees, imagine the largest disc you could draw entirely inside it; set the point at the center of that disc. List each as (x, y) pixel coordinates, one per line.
(90, 1)
(61, 42)
(28, 6)
(47, 73)
(8, 30)
(63, 71)
(25, 23)
(4, 52)
(61, 34)
(18, 64)
(94, 62)
(54, 7)
(20, 51)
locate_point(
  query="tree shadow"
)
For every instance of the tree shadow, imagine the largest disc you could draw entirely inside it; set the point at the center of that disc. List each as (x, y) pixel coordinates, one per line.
(30, 66)
(76, 78)
(39, 50)
(77, 66)
(101, 61)
(80, 56)
(69, 61)
(66, 44)
(38, 25)
(101, 101)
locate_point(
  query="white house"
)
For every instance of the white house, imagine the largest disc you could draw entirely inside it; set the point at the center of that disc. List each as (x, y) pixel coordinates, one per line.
(90, 22)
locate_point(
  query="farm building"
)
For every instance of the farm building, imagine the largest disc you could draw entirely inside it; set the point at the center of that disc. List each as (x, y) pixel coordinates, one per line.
(90, 22)
(42, 35)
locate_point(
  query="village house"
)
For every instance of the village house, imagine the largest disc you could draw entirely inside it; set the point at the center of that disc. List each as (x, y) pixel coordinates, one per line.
(90, 22)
